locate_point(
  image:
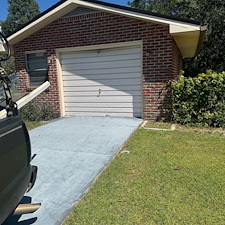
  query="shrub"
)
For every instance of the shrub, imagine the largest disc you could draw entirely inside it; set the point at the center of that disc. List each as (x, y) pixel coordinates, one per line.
(34, 111)
(199, 100)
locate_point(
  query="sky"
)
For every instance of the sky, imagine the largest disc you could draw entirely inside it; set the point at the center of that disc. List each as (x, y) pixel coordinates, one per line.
(45, 4)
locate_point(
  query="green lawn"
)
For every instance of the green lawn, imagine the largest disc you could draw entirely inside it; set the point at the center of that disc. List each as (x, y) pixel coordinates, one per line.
(167, 178)
(32, 125)
(159, 125)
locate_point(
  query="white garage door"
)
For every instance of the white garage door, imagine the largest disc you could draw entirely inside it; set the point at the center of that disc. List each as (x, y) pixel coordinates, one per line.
(103, 82)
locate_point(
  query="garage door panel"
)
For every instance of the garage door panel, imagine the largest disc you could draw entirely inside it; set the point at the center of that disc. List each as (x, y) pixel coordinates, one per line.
(103, 72)
(102, 52)
(103, 110)
(101, 93)
(100, 65)
(101, 114)
(102, 105)
(94, 113)
(103, 88)
(101, 59)
(115, 99)
(108, 82)
(101, 76)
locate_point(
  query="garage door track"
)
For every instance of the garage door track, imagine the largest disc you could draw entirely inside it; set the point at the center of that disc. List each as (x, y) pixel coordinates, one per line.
(70, 152)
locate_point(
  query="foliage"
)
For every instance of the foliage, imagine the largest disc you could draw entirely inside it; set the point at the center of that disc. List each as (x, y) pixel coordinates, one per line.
(33, 124)
(199, 100)
(212, 54)
(34, 111)
(9, 65)
(20, 12)
(167, 178)
(159, 6)
(211, 13)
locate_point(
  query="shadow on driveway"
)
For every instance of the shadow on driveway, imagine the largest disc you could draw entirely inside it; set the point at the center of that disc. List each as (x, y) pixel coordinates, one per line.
(14, 220)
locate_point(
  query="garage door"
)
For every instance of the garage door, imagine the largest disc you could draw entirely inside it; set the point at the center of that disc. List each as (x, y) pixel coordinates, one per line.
(103, 82)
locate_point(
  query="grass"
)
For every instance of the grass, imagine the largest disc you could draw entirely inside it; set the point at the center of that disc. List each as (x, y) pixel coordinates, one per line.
(32, 125)
(167, 178)
(159, 125)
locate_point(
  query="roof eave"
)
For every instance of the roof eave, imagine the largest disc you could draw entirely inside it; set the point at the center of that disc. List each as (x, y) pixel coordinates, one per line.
(189, 42)
(203, 30)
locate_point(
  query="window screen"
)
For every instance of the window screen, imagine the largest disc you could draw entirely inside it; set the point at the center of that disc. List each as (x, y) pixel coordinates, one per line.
(37, 67)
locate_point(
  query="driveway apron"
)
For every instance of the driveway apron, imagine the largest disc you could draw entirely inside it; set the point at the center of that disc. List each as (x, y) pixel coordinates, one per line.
(70, 153)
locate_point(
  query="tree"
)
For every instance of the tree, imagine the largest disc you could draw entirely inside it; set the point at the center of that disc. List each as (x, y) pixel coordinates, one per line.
(159, 6)
(212, 54)
(212, 13)
(20, 12)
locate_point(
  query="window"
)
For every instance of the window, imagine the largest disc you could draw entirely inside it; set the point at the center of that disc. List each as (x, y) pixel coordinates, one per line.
(37, 68)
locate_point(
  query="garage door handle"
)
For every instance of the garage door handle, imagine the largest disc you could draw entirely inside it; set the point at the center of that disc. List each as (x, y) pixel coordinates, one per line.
(99, 92)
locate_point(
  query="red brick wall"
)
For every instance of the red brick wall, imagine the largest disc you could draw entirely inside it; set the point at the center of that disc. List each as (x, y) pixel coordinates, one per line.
(160, 55)
(177, 60)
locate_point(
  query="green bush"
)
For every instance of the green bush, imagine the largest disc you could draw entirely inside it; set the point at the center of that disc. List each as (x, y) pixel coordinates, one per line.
(199, 100)
(34, 111)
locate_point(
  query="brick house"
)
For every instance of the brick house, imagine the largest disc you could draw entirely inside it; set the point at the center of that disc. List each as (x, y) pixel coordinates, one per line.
(103, 59)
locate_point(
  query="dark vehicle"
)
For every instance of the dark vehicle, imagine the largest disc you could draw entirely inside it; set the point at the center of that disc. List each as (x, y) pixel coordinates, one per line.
(17, 175)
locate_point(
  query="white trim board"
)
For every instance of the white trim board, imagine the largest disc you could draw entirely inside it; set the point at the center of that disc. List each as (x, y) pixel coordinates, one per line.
(23, 101)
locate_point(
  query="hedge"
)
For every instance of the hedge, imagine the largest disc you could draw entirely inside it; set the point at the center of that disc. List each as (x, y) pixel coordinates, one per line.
(34, 111)
(199, 100)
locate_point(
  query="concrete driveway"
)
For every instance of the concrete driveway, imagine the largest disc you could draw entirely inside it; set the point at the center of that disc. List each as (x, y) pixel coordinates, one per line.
(70, 153)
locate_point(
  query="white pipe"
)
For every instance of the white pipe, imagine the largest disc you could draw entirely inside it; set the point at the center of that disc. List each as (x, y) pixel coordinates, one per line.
(23, 101)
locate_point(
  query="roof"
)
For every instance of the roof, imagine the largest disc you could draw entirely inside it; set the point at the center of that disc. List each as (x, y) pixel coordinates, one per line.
(188, 34)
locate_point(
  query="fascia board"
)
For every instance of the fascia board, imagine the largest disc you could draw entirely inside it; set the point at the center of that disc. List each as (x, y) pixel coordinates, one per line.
(179, 28)
(154, 19)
